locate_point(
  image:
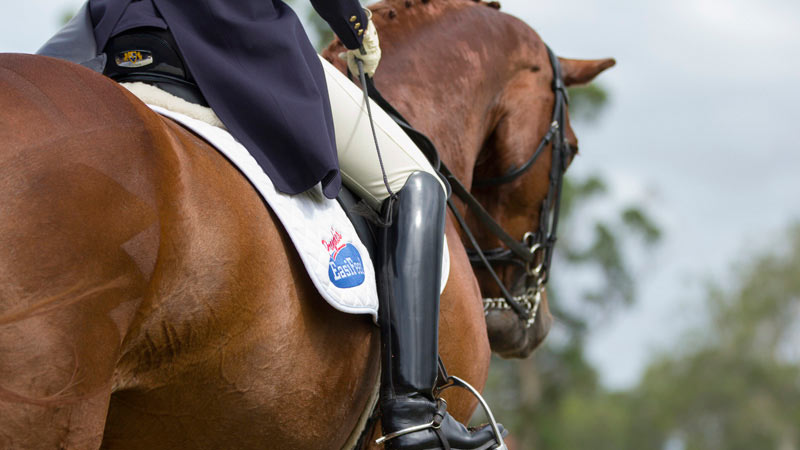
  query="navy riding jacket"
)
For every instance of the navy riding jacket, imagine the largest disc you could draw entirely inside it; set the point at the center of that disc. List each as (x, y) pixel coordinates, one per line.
(257, 69)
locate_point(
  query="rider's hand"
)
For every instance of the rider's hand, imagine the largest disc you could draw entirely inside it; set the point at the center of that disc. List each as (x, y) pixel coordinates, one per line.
(372, 49)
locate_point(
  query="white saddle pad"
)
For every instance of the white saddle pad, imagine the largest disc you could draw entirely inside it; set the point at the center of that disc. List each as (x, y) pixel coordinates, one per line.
(335, 258)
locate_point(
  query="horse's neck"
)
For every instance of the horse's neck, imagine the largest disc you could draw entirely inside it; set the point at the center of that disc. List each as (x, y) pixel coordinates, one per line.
(458, 121)
(446, 77)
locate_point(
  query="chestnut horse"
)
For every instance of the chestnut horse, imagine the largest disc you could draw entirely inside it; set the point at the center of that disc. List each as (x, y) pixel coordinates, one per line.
(149, 299)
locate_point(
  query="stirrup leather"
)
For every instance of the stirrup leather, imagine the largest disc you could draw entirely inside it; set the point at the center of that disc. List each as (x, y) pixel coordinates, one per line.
(450, 381)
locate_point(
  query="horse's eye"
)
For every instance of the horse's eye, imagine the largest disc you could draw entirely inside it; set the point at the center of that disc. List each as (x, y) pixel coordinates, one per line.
(572, 150)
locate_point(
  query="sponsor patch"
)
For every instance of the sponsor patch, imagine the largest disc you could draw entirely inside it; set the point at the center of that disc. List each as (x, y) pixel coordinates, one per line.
(345, 268)
(134, 58)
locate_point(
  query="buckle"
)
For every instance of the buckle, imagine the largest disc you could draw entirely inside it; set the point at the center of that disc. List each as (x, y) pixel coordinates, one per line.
(439, 415)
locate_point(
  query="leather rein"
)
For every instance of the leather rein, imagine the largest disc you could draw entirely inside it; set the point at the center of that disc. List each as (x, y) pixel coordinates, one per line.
(535, 251)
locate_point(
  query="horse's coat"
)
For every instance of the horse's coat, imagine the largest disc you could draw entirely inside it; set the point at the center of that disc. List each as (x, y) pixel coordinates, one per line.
(147, 297)
(319, 229)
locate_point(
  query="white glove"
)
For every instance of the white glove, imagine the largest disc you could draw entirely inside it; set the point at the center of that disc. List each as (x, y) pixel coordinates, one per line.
(372, 48)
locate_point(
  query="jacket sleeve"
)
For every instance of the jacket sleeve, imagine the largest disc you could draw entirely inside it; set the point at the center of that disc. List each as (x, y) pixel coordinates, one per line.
(345, 17)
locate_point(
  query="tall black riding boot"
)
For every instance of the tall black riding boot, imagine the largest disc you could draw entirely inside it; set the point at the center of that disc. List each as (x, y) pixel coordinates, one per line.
(411, 264)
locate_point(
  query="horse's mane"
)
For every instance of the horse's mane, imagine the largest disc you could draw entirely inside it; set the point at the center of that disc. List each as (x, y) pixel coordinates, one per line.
(414, 16)
(395, 6)
(456, 21)
(394, 9)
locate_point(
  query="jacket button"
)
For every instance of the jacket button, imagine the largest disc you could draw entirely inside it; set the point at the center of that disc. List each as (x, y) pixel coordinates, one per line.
(358, 25)
(353, 18)
(360, 32)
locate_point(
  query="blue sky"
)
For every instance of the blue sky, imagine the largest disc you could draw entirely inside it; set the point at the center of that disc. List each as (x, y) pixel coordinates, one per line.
(701, 129)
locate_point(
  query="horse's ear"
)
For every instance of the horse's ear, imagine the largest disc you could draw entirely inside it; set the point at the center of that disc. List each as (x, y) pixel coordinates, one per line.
(582, 71)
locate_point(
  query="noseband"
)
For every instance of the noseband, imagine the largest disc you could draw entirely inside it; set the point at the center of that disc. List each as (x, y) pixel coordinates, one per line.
(535, 251)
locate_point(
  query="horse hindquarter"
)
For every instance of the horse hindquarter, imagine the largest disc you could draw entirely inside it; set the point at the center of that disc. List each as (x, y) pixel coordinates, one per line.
(78, 234)
(148, 298)
(235, 348)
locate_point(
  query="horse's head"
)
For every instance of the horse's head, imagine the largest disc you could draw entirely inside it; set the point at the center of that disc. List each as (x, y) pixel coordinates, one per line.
(479, 83)
(518, 178)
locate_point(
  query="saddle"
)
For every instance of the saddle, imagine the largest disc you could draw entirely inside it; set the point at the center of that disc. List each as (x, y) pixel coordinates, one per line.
(330, 238)
(151, 56)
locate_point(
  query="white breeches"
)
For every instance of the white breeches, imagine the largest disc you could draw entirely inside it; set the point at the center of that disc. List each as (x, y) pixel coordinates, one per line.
(358, 158)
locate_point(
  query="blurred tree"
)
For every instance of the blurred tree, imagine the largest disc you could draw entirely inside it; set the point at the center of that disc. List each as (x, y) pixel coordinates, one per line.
(553, 400)
(732, 383)
(66, 16)
(605, 252)
(318, 30)
(587, 102)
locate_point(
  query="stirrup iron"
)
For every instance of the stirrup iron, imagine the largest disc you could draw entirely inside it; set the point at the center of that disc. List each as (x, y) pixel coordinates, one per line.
(409, 430)
(454, 381)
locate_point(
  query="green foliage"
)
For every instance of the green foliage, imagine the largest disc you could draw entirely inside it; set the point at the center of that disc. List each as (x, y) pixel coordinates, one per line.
(554, 399)
(715, 399)
(638, 222)
(318, 29)
(586, 103)
(66, 16)
(575, 192)
(605, 252)
(732, 383)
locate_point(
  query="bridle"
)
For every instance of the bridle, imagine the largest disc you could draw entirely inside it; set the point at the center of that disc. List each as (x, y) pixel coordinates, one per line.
(535, 251)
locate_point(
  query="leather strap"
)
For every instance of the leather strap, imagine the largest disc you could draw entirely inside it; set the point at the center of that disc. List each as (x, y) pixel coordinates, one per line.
(429, 150)
(518, 252)
(438, 418)
(513, 304)
(442, 438)
(513, 173)
(517, 247)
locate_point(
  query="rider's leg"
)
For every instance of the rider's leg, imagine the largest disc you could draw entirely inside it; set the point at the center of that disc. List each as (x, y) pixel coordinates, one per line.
(358, 159)
(411, 252)
(410, 266)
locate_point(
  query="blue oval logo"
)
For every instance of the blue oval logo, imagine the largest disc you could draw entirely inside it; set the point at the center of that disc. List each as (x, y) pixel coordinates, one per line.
(346, 270)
